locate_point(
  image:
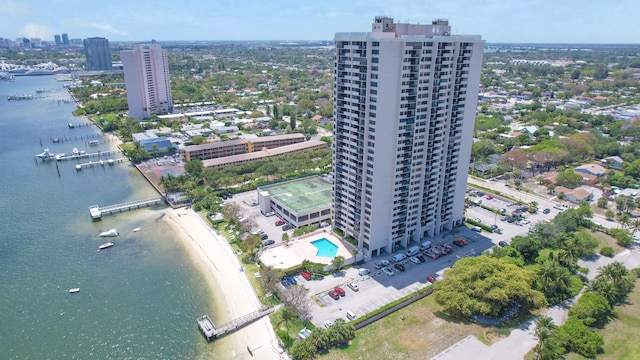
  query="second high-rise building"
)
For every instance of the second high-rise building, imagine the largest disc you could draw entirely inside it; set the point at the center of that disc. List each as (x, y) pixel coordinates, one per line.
(97, 53)
(405, 97)
(146, 76)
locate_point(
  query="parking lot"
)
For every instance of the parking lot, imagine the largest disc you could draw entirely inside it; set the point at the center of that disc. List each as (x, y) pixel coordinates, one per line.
(378, 289)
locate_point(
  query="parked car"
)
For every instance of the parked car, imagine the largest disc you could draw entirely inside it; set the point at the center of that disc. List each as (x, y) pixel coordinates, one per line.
(503, 210)
(504, 218)
(280, 222)
(489, 197)
(268, 242)
(503, 243)
(458, 243)
(328, 323)
(431, 279)
(414, 260)
(430, 254)
(443, 250)
(546, 211)
(476, 229)
(351, 315)
(285, 282)
(340, 291)
(292, 280)
(494, 226)
(381, 263)
(334, 295)
(399, 267)
(388, 271)
(448, 247)
(264, 236)
(306, 275)
(286, 227)
(421, 258)
(353, 286)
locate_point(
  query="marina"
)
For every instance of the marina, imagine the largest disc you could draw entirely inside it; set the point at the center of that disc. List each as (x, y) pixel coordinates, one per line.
(98, 212)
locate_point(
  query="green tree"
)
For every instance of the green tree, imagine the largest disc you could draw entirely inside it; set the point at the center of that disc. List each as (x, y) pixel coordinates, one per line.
(577, 337)
(602, 202)
(485, 286)
(544, 328)
(337, 263)
(527, 246)
(554, 281)
(590, 308)
(194, 168)
(303, 350)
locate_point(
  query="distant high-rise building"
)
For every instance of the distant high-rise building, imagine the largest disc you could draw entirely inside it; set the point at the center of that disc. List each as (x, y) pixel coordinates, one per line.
(97, 53)
(65, 39)
(58, 40)
(405, 98)
(146, 75)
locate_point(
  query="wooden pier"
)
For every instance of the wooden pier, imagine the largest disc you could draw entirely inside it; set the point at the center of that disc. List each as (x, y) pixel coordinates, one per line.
(101, 162)
(98, 212)
(75, 125)
(57, 139)
(211, 332)
(88, 155)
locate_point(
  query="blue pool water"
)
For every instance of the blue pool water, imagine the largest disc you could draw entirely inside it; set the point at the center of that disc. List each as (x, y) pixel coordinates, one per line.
(325, 248)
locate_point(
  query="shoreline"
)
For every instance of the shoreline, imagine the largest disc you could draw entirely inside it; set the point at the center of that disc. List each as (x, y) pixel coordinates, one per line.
(211, 254)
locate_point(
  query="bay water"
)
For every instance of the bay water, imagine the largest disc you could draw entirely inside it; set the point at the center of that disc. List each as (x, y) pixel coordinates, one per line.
(137, 300)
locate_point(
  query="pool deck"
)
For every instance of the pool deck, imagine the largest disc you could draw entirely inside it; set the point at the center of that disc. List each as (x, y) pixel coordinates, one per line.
(299, 249)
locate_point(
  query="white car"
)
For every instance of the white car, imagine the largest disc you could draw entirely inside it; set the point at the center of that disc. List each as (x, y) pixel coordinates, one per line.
(381, 264)
(414, 260)
(328, 323)
(388, 271)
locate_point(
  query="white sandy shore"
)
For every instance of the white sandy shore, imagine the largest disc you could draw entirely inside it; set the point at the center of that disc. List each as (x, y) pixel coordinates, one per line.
(238, 297)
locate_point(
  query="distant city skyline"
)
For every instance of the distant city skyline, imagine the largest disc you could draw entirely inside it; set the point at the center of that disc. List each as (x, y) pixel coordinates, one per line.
(542, 21)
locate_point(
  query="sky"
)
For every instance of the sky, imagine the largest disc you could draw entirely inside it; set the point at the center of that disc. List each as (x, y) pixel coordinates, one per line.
(497, 21)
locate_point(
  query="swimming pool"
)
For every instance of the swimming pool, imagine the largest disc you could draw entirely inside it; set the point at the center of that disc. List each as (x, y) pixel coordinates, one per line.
(325, 248)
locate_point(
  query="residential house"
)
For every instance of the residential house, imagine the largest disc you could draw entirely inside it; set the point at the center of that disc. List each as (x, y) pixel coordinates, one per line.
(575, 196)
(591, 169)
(614, 162)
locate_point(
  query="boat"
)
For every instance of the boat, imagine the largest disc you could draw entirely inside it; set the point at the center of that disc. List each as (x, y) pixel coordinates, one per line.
(61, 155)
(75, 152)
(110, 233)
(93, 142)
(101, 162)
(137, 229)
(74, 290)
(39, 91)
(71, 126)
(110, 162)
(78, 167)
(56, 140)
(46, 155)
(105, 245)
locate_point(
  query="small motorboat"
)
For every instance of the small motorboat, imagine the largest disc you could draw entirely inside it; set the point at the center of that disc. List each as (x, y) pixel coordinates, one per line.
(110, 233)
(74, 290)
(105, 245)
(71, 125)
(93, 143)
(46, 154)
(137, 229)
(75, 152)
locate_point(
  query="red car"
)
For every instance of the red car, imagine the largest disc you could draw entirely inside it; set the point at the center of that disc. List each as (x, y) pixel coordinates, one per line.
(431, 279)
(430, 254)
(340, 291)
(306, 275)
(279, 222)
(334, 295)
(489, 197)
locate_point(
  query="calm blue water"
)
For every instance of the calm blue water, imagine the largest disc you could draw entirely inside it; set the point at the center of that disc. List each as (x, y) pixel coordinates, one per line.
(138, 299)
(325, 248)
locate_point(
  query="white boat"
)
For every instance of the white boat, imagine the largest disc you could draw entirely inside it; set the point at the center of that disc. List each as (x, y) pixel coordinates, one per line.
(74, 290)
(93, 142)
(110, 233)
(110, 162)
(75, 152)
(71, 125)
(137, 229)
(105, 245)
(61, 155)
(101, 162)
(46, 154)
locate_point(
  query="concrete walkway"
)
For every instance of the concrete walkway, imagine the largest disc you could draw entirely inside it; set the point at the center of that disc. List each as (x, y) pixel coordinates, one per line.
(522, 340)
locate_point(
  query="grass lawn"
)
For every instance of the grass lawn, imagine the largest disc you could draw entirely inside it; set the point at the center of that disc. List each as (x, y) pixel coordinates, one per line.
(622, 332)
(607, 240)
(418, 331)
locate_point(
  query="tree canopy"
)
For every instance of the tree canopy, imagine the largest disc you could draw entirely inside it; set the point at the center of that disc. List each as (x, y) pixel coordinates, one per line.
(484, 286)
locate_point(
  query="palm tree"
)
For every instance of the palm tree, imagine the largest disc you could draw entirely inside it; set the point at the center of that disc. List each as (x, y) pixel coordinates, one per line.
(618, 274)
(623, 220)
(554, 280)
(604, 287)
(609, 214)
(544, 328)
(287, 314)
(551, 188)
(602, 202)
(635, 225)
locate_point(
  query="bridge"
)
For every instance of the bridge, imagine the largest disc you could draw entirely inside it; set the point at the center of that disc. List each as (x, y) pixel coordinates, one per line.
(97, 212)
(211, 332)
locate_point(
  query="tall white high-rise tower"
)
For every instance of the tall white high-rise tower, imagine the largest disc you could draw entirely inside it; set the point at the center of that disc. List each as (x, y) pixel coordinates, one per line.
(146, 76)
(405, 98)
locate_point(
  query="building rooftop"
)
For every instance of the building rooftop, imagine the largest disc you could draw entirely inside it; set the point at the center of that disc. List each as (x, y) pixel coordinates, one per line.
(302, 194)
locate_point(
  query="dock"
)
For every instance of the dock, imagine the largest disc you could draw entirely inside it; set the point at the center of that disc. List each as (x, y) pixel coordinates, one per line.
(88, 155)
(98, 212)
(101, 162)
(211, 332)
(57, 139)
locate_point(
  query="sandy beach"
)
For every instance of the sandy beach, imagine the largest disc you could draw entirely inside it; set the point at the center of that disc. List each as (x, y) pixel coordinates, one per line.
(212, 253)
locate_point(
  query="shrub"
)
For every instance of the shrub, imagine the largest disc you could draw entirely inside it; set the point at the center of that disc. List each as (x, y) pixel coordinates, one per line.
(606, 251)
